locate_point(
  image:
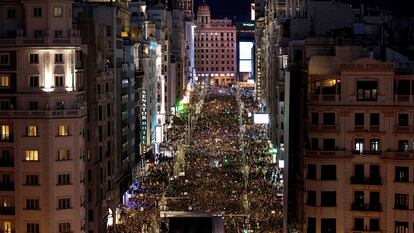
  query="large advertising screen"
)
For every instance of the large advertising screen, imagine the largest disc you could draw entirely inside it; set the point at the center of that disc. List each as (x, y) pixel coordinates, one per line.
(245, 56)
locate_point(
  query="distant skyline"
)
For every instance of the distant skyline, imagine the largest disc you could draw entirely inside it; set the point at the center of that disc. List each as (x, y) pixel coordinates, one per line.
(240, 9)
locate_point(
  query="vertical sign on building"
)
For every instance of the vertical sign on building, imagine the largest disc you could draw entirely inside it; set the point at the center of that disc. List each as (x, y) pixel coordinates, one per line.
(259, 75)
(143, 121)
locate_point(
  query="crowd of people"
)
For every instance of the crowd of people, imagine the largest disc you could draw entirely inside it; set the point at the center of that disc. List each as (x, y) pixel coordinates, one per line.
(222, 170)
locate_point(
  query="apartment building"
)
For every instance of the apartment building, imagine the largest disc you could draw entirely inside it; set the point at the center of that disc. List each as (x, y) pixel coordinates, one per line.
(358, 160)
(42, 119)
(215, 48)
(111, 107)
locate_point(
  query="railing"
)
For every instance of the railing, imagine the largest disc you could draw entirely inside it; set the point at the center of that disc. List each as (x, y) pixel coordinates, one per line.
(365, 231)
(43, 113)
(7, 210)
(366, 152)
(398, 155)
(6, 137)
(324, 127)
(401, 128)
(328, 98)
(366, 207)
(7, 186)
(366, 180)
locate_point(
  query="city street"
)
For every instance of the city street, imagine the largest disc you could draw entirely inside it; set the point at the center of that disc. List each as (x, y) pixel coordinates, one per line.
(222, 166)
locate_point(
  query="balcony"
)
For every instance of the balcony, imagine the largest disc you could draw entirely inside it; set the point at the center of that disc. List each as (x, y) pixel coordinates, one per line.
(404, 99)
(72, 39)
(6, 186)
(326, 98)
(7, 210)
(6, 137)
(398, 155)
(366, 180)
(365, 231)
(366, 152)
(366, 207)
(324, 127)
(6, 162)
(70, 113)
(401, 128)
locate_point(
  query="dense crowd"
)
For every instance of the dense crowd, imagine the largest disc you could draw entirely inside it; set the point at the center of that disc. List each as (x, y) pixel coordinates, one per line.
(222, 169)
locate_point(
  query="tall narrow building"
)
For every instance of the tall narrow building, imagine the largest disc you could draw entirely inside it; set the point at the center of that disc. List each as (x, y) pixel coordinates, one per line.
(111, 108)
(42, 119)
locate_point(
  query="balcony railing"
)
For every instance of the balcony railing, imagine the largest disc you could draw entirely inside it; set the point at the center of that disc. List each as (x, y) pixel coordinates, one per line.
(43, 113)
(398, 155)
(325, 98)
(7, 186)
(6, 137)
(366, 180)
(324, 127)
(401, 128)
(366, 207)
(367, 152)
(7, 210)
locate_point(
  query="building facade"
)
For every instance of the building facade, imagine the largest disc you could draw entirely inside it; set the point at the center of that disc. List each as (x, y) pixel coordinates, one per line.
(43, 119)
(215, 48)
(358, 163)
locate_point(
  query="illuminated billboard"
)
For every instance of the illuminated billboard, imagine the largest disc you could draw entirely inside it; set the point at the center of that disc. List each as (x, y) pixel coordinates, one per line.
(245, 56)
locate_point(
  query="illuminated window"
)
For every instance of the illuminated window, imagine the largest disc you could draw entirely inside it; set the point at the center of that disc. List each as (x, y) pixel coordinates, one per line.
(4, 80)
(5, 132)
(57, 11)
(32, 131)
(7, 227)
(63, 155)
(63, 130)
(32, 155)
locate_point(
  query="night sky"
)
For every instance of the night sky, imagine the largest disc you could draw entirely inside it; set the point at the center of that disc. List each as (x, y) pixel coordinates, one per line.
(232, 9)
(240, 9)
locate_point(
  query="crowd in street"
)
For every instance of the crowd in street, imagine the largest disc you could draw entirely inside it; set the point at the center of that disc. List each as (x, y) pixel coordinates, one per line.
(221, 169)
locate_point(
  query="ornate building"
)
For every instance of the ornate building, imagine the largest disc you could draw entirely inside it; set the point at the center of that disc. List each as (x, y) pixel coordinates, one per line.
(215, 48)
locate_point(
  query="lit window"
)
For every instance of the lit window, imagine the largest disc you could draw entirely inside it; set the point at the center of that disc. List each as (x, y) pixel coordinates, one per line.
(57, 11)
(32, 131)
(63, 130)
(7, 227)
(32, 155)
(5, 132)
(63, 155)
(4, 80)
